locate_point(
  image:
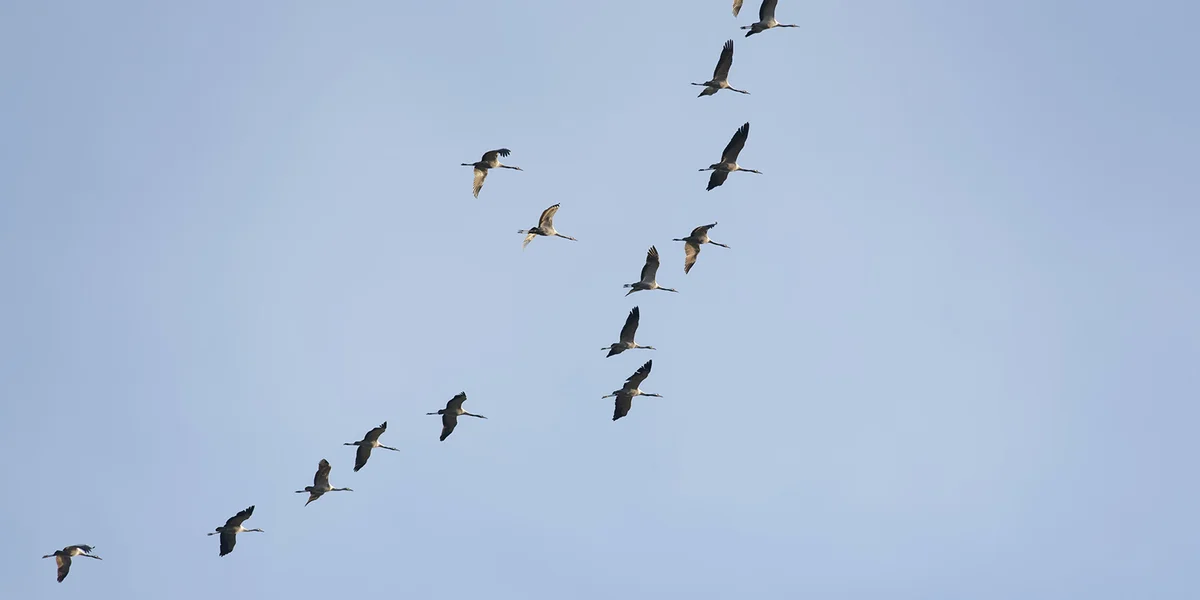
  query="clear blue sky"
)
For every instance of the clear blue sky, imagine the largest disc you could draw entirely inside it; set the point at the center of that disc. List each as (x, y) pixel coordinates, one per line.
(953, 351)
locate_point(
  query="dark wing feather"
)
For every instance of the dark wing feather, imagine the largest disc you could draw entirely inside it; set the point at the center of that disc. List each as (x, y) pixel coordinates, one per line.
(491, 155)
(766, 10)
(64, 566)
(701, 230)
(622, 406)
(546, 221)
(374, 434)
(640, 375)
(240, 518)
(716, 179)
(730, 155)
(361, 456)
(323, 469)
(631, 325)
(456, 402)
(449, 420)
(690, 251)
(650, 271)
(723, 64)
(228, 540)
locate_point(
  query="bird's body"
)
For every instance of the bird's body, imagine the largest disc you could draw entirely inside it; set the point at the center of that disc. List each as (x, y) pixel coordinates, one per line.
(63, 558)
(627, 334)
(649, 275)
(545, 227)
(729, 157)
(766, 18)
(692, 243)
(365, 445)
(450, 414)
(231, 528)
(321, 483)
(490, 160)
(624, 396)
(720, 78)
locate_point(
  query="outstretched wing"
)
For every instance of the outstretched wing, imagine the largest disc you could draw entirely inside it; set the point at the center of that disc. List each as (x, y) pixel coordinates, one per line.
(730, 155)
(723, 64)
(374, 434)
(228, 540)
(449, 420)
(767, 10)
(690, 251)
(640, 375)
(64, 566)
(239, 518)
(622, 405)
(455, 403)
(528, 238)
(492, 155)
(480, 175)
(631, 325)
(82, 548)
(650, 271)
(737, 5)
(361, 456)
(547, 219)
(321, 479)
(702, 230)
(716, 179)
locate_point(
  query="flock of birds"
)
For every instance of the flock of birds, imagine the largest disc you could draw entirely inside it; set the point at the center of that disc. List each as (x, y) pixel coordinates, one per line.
(545, 227)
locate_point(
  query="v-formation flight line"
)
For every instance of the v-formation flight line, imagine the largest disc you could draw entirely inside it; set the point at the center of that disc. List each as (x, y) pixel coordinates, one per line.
(545, 228)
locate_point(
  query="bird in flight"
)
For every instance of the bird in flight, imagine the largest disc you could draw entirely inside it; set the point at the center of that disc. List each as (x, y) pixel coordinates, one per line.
(545, 227)
(692, 243)
(365, 445)
(649, 272)
(63, 558)
(321, 483)
(625, 395)
(490, 160)
(232, 527)
(766, 17)
(720, 78)
(728, 163)
(627, 333)
(450, 414)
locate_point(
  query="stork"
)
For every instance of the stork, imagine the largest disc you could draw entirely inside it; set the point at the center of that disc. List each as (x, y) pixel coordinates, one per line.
(545, 227)
(490, 160)
(450, 414)
(720, 78)
(232, 527)
(365, 445)
(766, 17)
(692, 243)
(649, 271)
(625, 395)
(728, 163)
(321, 483)
(627, 333)
(63, 558)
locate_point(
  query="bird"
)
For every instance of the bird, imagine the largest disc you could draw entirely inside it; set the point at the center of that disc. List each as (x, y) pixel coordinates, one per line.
(625, 395)
(737, 5)
(450, 414)
(369, 441)
(63, 558)
(692, 243)
(321, 483)
(233, 527)
(729, 157)
(490, 160)
(720, 78)
(766, 18)
(648, 272)
(627, 333)
(545, 227)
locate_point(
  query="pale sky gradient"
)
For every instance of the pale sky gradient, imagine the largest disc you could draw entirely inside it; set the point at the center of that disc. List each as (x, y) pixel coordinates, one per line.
(953, 353)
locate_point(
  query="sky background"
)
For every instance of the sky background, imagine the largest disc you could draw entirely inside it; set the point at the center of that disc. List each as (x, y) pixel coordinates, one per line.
(952, 353)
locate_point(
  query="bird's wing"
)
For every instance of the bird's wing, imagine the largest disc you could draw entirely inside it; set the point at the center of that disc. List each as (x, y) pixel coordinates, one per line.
(321, 479)
(631, 324)
(737, 5)
(650, 271)
(456, 402)
(528, 238)
(449, 420)
(239, 518)
(64, 566)
(374, 433)
(480, 175)
(622, 405)
(82, 549)
(702, 230)
(690, 251)
(228, 539)
(716, 179)
(361, 456)
(723, 64)
(767, 10)
(640, 375)
(730, 155)
(547, 219)
(492, 155)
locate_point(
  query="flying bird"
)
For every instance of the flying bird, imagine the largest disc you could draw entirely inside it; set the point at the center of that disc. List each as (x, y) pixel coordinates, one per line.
(648, 274)
(692, 243)
(450, 414)
(233, 527)
(729, 157)
(627, 333)
(625, 395)
(720, 78)
(365, 445)
(63, 558)
(321, 483)
(766, 18)
(490, 160)
(545, 227)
